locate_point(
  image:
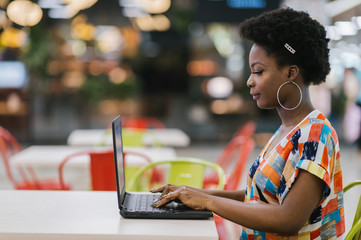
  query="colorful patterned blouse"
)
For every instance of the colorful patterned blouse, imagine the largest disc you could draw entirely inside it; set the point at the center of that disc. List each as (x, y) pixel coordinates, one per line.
(312, 146)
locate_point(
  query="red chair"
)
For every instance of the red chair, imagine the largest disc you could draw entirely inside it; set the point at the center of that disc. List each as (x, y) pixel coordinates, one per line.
(246, 130)
(157, 174)
(234, 156)
(232, 159)
(8, 147)
(102, 171)
(142, 122)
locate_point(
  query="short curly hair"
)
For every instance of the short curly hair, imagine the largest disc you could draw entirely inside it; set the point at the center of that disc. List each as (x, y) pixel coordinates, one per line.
(273, 29)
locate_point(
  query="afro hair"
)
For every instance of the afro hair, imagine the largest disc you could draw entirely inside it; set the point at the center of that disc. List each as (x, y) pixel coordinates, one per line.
(275, 29)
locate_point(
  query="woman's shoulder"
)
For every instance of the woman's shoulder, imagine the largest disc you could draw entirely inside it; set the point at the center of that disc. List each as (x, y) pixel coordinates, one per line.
(317, 124)
(316, 117)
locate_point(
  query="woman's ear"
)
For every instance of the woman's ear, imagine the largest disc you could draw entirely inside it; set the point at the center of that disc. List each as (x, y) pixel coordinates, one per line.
(293, 72)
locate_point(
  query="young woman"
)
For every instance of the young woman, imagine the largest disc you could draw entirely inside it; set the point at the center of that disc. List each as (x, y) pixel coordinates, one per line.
(294, 188)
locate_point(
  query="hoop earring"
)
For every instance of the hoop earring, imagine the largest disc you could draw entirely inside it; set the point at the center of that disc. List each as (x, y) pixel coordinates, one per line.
(278, 98)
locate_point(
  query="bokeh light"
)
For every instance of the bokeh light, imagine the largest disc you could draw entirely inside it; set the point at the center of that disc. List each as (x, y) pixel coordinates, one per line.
(24, 13)
(219, 87)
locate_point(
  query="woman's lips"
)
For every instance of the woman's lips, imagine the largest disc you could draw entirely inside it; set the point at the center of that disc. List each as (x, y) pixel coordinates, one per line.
(255, 96)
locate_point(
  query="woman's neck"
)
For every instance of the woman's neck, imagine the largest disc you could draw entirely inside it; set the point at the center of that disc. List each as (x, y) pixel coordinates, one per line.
(290, 118)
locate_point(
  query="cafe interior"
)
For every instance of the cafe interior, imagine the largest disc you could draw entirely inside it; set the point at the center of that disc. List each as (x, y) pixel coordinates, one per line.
(176, 72)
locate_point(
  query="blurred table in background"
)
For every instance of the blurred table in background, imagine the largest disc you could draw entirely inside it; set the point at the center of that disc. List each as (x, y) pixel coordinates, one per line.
(52, 156)
(45, 161)
(150, 137)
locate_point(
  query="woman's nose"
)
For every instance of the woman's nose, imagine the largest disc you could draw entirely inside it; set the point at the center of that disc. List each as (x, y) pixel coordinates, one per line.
(250, 82)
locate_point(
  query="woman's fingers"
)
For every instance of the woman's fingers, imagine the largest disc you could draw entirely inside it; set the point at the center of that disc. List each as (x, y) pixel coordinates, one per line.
(155, 190)
(164, 198)
(162, 188)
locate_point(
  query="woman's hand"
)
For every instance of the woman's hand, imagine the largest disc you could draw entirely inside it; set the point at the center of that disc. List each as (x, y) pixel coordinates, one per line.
(192, 197)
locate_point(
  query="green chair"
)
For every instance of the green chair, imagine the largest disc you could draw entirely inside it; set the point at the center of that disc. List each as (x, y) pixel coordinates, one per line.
(180, 171)
(133, 137)
(355, 231)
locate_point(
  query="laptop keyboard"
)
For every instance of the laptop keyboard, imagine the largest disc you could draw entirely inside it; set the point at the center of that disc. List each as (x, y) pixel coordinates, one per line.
(144, 202)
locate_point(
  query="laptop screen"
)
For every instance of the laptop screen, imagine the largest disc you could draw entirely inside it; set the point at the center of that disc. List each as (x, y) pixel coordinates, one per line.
(118, 158)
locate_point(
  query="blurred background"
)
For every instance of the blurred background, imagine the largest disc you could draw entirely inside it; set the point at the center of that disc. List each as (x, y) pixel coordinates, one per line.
(76, 64)
(67, 64)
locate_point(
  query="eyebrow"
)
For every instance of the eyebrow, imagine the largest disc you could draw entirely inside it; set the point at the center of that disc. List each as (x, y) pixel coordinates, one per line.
(255, 63)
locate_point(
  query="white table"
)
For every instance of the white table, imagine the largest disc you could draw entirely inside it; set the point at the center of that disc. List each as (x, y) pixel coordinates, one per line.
(91, 137)
(52, 156)
(90, 215)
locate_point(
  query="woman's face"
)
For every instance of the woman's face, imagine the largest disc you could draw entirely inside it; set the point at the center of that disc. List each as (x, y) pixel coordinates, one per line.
(266, 76)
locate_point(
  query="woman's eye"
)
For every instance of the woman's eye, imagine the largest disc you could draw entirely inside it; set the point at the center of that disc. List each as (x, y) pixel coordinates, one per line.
(258, 72)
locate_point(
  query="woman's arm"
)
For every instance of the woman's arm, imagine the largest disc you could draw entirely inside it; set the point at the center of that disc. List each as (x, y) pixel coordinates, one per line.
(287, 218)
(235, 195)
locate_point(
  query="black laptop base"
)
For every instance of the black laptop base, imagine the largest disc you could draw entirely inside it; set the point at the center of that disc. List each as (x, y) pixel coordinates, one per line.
(170, 214)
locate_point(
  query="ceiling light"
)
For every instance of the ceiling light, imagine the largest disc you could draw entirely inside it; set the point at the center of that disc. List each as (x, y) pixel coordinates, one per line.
(145, 23)
(155, 6)
(81, 4)
(161, 22)
(132, 12)
(24, 13)
(62, 12)
(128, 3)
(50, 3)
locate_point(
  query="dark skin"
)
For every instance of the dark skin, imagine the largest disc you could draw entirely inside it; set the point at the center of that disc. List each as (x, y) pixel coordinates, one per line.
(307, 191)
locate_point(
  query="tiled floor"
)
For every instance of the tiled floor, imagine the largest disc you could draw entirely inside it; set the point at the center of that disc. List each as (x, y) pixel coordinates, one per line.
(351, 160)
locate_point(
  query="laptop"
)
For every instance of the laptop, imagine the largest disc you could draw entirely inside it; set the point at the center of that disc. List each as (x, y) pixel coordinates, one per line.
(138, 205)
